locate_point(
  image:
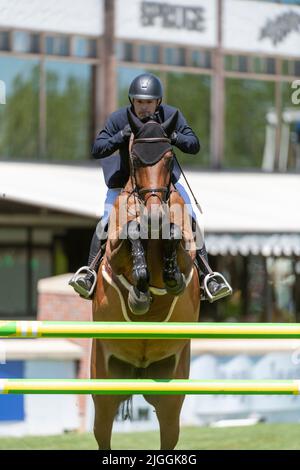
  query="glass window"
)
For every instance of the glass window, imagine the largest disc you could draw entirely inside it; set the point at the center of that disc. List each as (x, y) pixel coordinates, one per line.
(124, 51)
(291, 67)
(248, 103)
(263, 65)
(4, 41)
(270, 65)
(68, 99)
(57, 45)
(190, 93)
(236, 63)
(229, 62)
(201, 59)
(19, 118)
(13, 235)
(174, 56)
(13, 282)
(148, 54)
(242, 63)
(84, 47)
(289, 155)
(40, 265)
(25, 42)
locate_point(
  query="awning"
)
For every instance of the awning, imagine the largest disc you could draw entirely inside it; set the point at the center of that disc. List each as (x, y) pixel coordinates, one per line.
(255, 244)
(232, 202)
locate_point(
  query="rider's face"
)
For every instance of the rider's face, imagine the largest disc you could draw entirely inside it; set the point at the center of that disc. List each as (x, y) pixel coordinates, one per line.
(144, 108)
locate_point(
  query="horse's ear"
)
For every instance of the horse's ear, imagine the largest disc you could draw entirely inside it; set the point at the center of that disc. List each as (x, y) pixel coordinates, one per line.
(134, 122)
(169, 125)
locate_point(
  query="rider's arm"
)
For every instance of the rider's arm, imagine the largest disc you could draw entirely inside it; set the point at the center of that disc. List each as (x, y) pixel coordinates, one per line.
(186, 140)
(110, 138)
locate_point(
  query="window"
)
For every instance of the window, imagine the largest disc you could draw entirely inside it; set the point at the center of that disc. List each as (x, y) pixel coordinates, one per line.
(190, 93)
(201, 59)
(19, 130)
(84, 47)
(148, 54)
(236, 63)
(57, 45)
(289, 155)
(263, 65)
(125, 51)
(174, 56)
(25, 257)
(25, 42)
(4, 41)
(248, 103)
(291, 67)
(68, 104)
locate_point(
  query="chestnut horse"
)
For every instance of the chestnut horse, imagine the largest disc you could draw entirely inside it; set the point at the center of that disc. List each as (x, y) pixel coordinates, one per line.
(147, 274)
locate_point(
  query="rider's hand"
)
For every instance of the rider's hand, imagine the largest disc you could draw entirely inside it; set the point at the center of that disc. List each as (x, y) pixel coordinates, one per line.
(126, 132)
(173, 137)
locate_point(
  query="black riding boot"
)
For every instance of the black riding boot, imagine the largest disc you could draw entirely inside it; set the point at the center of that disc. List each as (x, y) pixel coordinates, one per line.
(214, 284)
(84, 280)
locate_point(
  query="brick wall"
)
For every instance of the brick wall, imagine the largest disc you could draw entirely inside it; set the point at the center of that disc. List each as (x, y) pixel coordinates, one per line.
(58, 302)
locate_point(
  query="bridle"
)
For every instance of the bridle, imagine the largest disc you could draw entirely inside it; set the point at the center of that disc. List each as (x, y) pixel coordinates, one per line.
(140, 193)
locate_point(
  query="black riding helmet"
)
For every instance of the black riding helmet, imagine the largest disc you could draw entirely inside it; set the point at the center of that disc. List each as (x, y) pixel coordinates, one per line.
(146, 86)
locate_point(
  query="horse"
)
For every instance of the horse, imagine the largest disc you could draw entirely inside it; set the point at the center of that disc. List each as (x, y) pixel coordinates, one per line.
(145, 276)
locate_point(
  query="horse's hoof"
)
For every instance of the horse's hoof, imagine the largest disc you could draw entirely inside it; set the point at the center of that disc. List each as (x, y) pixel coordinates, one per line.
(176, 286)
(138, 302)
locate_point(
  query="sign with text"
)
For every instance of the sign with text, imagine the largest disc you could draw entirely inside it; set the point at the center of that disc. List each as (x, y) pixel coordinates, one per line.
(261, 27)
(63, 16)
(190, 22)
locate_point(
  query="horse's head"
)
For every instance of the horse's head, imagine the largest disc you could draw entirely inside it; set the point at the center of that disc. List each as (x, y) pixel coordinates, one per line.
(151, 161)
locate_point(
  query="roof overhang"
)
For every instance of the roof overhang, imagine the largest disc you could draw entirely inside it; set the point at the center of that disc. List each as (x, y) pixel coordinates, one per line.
(232, 202)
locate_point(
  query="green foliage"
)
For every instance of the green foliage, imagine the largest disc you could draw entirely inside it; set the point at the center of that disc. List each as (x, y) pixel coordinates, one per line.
(68, 116)
(20, 118)
(191, 95)
(247, 103)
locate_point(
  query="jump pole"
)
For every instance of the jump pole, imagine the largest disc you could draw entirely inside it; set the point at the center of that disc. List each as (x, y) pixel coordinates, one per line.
(134, 330)
(150, 387)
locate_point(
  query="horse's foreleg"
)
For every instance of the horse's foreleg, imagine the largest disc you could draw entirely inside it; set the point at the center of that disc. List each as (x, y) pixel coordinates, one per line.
(172, 276)
(139, 298)
(106, 408)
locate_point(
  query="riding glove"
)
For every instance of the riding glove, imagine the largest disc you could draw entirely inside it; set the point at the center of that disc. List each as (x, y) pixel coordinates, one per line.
(126, 132)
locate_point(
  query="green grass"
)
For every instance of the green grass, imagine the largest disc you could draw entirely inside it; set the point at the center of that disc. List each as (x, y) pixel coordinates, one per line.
(260, 436)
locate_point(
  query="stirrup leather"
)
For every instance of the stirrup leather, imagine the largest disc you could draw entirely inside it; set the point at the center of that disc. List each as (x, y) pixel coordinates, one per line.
(83, 271)
(211, 297)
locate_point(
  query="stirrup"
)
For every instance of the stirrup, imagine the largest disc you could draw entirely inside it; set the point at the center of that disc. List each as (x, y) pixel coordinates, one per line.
(211, 298)
(73, 281)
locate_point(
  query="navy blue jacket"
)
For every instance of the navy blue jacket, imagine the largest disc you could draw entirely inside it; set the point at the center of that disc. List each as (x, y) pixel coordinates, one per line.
(116, 168)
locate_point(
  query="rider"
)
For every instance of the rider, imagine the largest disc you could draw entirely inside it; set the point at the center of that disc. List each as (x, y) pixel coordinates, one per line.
(145, 96)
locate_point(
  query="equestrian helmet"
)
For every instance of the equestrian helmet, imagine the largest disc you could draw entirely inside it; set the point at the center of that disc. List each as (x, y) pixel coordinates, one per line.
(146, 86)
